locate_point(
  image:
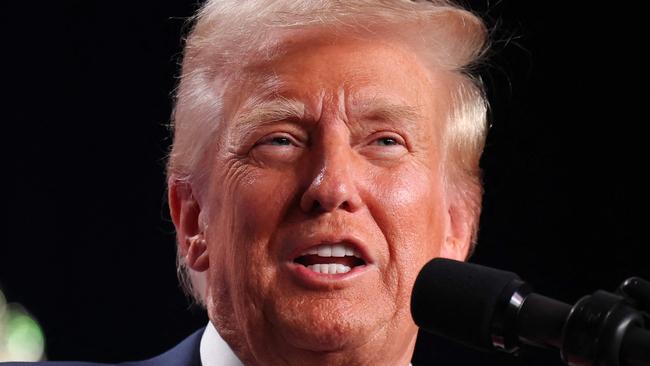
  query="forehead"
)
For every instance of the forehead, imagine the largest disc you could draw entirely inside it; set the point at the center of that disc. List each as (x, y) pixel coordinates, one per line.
(356, 73)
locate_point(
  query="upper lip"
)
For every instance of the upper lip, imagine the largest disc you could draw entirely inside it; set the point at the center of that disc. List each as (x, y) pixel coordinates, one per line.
(299, 246)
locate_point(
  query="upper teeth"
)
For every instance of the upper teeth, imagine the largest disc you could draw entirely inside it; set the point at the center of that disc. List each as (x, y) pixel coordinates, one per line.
(335, 250)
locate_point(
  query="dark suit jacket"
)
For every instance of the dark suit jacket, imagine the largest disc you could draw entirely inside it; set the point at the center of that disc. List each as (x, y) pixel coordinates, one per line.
(185, 353)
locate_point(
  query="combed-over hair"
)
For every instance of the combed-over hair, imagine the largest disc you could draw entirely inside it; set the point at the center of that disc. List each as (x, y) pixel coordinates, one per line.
(228, 33)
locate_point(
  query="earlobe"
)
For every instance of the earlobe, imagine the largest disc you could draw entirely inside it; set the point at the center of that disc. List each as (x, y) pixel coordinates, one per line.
(197, 253)
(452, 249)
(185, 212)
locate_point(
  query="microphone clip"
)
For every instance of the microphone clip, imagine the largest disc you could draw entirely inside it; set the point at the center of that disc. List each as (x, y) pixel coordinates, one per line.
(603, 328)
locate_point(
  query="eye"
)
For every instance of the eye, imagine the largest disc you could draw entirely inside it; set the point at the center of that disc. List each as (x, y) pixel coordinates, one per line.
(279, 141)
(386, 141)
(384, 146)
(277, 148)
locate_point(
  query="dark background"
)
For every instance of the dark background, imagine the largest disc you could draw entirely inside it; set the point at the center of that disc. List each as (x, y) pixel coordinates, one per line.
(87, 243)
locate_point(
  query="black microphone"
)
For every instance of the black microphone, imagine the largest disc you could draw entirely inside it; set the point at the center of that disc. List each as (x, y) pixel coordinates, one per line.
(486, 308)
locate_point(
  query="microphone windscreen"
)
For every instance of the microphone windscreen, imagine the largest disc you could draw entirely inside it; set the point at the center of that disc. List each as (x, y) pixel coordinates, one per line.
(457, 300)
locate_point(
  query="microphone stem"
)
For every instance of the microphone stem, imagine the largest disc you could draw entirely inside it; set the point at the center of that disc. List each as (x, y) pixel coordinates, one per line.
(540, 321)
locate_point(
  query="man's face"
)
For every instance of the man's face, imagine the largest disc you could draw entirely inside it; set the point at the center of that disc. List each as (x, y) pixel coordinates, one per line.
(317, 223)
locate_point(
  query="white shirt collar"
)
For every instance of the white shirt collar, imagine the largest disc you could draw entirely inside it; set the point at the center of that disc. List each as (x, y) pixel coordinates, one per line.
(215, 351)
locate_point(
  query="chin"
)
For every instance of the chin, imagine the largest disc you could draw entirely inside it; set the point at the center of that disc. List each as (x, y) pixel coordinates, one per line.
(326, 325)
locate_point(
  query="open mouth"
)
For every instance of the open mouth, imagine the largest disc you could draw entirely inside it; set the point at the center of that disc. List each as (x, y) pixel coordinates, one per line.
(330, 258)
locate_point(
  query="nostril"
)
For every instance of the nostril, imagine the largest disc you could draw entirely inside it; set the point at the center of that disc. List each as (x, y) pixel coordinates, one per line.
(316, 206)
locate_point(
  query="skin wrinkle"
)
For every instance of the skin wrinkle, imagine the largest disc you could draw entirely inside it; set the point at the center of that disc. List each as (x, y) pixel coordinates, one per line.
(340, 102)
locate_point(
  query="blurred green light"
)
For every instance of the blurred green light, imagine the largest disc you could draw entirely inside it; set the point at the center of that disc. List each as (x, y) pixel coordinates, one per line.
(24, 339)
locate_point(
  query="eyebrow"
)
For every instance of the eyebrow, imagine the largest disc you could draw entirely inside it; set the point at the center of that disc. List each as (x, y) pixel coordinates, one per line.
(282, 109)
(267, 112)
(386, 110)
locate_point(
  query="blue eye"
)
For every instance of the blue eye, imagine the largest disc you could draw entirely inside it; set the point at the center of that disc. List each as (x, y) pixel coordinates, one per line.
(280, 141)
(387, 141)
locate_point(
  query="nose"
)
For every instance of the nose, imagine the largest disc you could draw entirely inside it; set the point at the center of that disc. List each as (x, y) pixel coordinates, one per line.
(333, 184)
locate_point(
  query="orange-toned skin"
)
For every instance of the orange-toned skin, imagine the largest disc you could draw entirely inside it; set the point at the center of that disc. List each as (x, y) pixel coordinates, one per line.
(341, 170)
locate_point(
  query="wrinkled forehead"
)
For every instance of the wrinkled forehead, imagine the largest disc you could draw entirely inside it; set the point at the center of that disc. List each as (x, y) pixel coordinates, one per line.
(310, 65)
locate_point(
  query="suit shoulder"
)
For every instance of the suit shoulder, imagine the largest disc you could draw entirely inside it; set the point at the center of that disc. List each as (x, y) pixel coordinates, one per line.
(186, 353)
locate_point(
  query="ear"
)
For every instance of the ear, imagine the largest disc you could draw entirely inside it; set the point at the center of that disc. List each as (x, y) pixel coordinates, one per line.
(459, 233)
(185, 211)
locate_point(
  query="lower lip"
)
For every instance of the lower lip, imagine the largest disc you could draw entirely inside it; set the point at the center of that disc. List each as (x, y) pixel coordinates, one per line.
(309, 278)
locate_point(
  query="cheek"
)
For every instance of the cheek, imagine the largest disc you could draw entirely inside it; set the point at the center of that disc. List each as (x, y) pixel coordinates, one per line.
(246, 209)
(259, 205)
(251, 204)
(409, 208)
